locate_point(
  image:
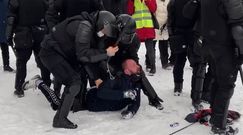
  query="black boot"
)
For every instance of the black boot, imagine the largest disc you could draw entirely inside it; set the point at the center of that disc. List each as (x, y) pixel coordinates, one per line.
(19, 93)
(152, 71)
(227, 131)
(63, 122)
(156, 103)
(7, 68)
(206, 97)
(178, 89)
(197, 106)
(60, 119)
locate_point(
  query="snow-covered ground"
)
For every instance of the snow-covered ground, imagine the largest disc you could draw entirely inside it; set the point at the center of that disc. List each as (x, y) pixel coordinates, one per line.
(32, 114)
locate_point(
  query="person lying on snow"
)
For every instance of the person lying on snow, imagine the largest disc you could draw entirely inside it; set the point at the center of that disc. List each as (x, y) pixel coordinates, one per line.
(110, 95)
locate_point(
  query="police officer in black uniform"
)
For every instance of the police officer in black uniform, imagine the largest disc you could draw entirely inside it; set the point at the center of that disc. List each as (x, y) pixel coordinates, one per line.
(222, 33)
(180, 37)
(221, 30)
(26, 19)
(71, 44)
(59, 10)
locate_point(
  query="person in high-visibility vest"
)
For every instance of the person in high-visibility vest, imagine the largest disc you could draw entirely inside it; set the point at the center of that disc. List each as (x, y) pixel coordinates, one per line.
(141, 11)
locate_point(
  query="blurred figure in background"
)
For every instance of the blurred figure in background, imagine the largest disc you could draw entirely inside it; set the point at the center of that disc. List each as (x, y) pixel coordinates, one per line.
(162, 35)
(3, 40)
(141, 11)
(26, 20)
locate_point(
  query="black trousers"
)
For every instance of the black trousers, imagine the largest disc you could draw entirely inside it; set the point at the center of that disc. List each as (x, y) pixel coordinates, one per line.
(224, 70)
(28, 39)
(5, 54)
(105, 100)
(23, 55)
(66, 74)
(178, 70)
(182, 51)
(164, 54)
(110, 95)
(150, 53)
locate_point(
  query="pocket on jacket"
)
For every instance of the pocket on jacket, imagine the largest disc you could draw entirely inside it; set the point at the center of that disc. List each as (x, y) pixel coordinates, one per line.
(177, 43)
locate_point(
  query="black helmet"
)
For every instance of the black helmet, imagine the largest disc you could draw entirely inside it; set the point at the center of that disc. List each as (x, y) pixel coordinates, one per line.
(127, 28)
(105, 23)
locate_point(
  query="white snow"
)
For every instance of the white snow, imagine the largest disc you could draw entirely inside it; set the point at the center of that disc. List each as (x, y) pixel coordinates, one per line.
(32, 115)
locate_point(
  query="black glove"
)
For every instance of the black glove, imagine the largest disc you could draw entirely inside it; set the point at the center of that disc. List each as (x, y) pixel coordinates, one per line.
(237, 32)
(239, 56)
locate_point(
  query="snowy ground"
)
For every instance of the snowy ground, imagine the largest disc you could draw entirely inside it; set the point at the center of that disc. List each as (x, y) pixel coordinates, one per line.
(32, 114)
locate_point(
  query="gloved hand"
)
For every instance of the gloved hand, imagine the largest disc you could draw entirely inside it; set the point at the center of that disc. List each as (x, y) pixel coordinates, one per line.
(239, 56)
(237, 32)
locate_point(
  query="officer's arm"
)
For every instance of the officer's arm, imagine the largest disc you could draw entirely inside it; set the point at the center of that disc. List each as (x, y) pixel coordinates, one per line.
(53, 13)
(133, 49)
(234, 11)
(13, 6)
(170, 18)
(83, 38)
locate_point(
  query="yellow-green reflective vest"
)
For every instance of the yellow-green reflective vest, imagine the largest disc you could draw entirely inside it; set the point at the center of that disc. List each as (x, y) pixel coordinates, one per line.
(142, 15)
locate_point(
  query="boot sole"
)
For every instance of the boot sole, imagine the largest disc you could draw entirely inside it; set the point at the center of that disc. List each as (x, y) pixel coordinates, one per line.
(58, 126)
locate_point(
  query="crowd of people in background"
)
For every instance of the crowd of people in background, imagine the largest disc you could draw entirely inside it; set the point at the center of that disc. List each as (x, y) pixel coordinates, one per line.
(96, 42)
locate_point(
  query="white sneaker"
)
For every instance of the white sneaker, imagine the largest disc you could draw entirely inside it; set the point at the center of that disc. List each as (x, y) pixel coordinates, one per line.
(32, 83)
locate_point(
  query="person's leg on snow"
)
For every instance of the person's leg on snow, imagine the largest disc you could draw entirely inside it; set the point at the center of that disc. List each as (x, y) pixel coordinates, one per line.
(164, 55)
(224, 70)
(197, 81)
(207, 86)
(70, 77)
(133, 106)
(150, 52)
(148, 90)
(37, 82)
(22, 56)
(5, 57)
(178, 72)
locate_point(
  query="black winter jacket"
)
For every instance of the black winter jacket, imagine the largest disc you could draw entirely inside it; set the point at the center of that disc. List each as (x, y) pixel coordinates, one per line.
(77, 39)
(59, 10)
